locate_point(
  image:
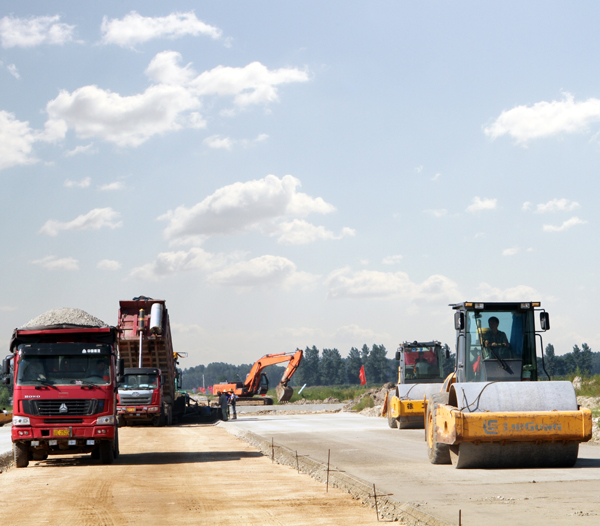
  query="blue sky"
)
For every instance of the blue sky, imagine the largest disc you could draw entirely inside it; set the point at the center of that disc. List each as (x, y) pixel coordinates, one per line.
(287, 174)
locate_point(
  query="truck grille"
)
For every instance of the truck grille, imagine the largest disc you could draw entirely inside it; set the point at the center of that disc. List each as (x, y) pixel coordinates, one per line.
(74, 407)
(128, 399)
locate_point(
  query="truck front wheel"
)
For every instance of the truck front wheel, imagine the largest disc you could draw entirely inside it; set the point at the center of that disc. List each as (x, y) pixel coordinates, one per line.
(21, 454)
(107, 451)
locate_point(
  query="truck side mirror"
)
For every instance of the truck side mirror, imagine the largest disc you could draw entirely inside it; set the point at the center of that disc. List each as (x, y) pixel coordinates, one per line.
(459, 321)
(6, 366)
(545, 321)
(398, 356)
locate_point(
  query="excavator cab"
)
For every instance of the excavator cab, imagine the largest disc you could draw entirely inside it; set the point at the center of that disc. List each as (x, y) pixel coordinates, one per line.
(263, 384)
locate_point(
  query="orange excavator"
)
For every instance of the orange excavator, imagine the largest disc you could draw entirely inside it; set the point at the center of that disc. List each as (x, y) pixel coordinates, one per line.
(257, 382)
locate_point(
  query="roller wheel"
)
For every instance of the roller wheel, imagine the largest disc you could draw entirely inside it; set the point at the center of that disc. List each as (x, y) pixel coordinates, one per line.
(392, 422)
(21, 454)
(438, 453)
(107, 452)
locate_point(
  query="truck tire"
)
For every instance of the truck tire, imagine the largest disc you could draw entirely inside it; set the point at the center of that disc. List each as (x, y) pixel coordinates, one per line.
(107, 451)
(39, 455)
(169, 415)
(438, 453)
(117, 452)
(21, 454)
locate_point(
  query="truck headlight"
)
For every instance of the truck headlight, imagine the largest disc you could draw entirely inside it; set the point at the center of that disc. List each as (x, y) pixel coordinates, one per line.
(21, 421)
(105, 421)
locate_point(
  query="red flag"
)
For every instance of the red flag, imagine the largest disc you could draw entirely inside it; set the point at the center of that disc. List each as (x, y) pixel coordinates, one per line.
(202, 390)
(361, 375)
(209, 389)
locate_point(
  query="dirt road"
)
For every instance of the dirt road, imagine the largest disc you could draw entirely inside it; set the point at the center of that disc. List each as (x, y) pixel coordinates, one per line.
(190, 474)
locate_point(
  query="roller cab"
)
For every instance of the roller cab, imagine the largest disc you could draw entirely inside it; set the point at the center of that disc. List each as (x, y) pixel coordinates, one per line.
(420, 373)
(495, 414)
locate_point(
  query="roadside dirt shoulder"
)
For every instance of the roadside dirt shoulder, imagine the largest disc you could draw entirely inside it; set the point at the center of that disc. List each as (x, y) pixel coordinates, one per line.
(192, 474)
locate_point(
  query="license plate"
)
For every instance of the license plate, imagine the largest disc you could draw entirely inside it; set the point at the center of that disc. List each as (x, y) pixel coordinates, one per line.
(131, 409)
(60, 432)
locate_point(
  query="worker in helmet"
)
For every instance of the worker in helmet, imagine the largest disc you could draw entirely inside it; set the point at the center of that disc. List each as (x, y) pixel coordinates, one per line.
(232, 399)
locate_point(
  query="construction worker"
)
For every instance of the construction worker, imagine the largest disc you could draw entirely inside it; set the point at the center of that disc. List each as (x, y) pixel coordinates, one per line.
(232, 399)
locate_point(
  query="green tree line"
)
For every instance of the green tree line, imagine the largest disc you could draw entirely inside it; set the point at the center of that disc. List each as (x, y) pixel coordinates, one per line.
(581, 361)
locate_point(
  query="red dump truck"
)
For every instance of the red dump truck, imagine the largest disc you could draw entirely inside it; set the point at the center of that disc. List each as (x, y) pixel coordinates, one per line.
(148, 392)
(64, 368)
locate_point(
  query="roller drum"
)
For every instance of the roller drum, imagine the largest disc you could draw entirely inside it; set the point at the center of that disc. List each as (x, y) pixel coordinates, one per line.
(417, 391)
(504, 397)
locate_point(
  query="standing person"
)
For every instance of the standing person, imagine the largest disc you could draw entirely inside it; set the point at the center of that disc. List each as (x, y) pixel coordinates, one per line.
(232, 399)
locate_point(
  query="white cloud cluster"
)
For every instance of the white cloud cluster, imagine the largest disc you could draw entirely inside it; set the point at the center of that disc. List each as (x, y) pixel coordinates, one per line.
(134, 28)
(84, 183)
(16, 141)
(112, 187)
(169, 104)
(556, 205)
(12, 69)
(518, 293)
(479, 204)
(392, 260)
(440, 212)
(170, 263)
(108, 264)
(344, 283)
(217, 142)
(254, 205)
(545, 119)
(54, 263)
(511, 251)
(88, 148)
(569, 223)
(94, 220)
(22, 32)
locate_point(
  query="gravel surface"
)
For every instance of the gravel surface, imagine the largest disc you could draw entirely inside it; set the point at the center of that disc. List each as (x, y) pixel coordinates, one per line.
(64, 316)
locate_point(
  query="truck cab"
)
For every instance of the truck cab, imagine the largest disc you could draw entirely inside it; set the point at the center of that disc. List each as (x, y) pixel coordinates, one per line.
(140, 396)
(64, 393)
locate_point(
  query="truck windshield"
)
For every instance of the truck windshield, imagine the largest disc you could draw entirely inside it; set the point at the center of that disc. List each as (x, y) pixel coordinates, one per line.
(503, 335)
(422, 362)
(65, 369)
(139, 381)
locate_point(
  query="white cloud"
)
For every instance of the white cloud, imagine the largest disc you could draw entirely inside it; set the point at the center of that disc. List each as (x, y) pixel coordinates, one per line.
(262, 271)
(12, 69)
(171, 263)
(300, 232)
(242, 206)
(436, 177)
(392, 260)
(108, 264)
(565, 226)
(168, 105)
(54, 263)
(16, 141)
(545, 119)
(482, 204)
(125, 121)
(556, 205)
(518, 293)
(22, 32)
(84, 183)
(511, 251)
(526, 206)
(419, 169)
(94, 219)
(89, 148)
(136, 29)
(112, 187)
(437, 213)
(344, 283)
(218, 143)
(356, 333)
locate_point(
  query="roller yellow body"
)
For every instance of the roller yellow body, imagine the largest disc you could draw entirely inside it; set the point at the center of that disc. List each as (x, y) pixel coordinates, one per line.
(454, 427)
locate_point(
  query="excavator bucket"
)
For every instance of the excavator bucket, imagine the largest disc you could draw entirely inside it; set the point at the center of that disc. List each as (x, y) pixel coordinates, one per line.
(284, 393)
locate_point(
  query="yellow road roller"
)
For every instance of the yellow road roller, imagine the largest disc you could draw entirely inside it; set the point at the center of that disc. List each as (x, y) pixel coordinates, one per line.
(492, 412)
(420, 374)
